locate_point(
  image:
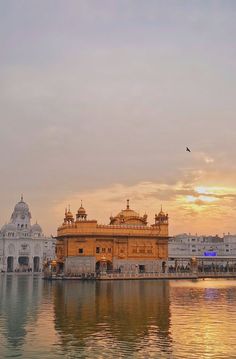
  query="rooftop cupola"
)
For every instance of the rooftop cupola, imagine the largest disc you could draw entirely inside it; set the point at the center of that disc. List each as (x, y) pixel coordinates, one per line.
(81, 213)
(161, 218)
(68, 216)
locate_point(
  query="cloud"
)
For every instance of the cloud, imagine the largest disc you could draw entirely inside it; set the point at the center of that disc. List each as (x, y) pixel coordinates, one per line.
(209, 160)
(101, 105)
(205, 205)
(202, 157)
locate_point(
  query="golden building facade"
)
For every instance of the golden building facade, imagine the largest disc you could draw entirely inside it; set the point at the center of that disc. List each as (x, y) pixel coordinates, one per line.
(127, 244)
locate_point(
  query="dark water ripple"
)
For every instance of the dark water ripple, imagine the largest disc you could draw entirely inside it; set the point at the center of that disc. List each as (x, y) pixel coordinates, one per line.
(129, 319)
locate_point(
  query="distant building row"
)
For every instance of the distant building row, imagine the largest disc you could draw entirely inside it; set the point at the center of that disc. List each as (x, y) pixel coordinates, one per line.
(127, 244)
(204, 248)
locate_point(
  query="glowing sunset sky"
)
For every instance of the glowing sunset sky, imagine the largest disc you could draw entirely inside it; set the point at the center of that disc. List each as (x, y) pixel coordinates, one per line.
(98, 100)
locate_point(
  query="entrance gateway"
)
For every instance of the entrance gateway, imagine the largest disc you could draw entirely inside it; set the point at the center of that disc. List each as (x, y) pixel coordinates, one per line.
(103, 266)
(23, 263)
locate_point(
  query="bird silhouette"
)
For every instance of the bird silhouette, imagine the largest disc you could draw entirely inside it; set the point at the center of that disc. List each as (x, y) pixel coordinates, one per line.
(187, 149)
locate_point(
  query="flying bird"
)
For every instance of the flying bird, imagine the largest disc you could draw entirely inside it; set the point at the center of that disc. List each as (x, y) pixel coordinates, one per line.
(187, 149)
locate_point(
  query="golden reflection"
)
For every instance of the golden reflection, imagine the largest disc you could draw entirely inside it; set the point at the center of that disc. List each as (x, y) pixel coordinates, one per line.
(128, 319)
(198, 320)
(131, 312)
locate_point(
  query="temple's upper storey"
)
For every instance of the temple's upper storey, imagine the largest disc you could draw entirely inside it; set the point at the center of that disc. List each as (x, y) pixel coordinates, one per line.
(126, 220)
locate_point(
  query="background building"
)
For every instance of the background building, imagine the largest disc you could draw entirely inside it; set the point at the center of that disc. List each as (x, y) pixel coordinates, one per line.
(127, 244)
(24, 247)
(208, 250)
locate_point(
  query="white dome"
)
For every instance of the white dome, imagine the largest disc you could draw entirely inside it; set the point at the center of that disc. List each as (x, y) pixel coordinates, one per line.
(21, 213)
(36, 228)
(21, 206)
(8, 227)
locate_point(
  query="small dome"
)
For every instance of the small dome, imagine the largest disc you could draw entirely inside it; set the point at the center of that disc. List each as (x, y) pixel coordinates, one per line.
(81, 210)
(69, 215)
(36, 228)
(8, 227)
(161, 213)
(161, 218)
(81, 214)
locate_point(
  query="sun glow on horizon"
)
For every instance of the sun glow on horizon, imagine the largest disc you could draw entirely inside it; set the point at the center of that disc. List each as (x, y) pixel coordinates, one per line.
(191, 208)
(201, 198)
(217, 190)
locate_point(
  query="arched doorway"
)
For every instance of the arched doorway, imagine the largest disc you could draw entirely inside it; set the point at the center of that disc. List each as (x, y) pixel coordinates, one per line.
(36, 264)
(23, 264)
(104, 266)
(10, 261)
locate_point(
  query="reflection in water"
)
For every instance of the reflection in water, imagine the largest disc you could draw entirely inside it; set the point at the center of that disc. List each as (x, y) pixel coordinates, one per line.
(18, 303)
(208, 319)
(130, 314)
(123, 319)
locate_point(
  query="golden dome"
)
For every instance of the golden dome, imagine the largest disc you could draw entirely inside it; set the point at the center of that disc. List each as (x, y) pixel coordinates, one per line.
(81, 210)
(69, 215)
(128, 216)
(126, 213)
(161, 213)
(81, 213)
(161, 217)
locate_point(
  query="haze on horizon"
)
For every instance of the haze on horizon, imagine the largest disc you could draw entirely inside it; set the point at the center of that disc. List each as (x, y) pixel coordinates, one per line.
(98, 100)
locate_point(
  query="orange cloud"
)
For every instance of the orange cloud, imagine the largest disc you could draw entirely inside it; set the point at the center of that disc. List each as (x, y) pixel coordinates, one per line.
(191, 207)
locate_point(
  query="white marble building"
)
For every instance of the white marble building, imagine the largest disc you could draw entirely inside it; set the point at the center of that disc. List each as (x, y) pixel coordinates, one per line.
(209, 249)
(24, 247)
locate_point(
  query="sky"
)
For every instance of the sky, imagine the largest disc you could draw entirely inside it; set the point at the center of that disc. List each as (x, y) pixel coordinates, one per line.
(98, 99)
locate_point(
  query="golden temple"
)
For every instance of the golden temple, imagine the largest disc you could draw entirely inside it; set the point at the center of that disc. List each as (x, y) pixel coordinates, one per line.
(127, 244)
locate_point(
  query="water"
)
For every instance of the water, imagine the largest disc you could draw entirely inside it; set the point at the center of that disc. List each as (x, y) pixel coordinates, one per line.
(123, 319)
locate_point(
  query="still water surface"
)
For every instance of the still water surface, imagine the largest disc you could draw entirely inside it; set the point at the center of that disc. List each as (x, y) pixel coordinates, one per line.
(123, 319)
